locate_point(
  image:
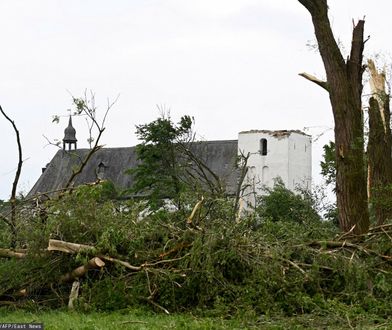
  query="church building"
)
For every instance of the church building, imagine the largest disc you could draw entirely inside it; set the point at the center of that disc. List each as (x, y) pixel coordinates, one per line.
(286, 154)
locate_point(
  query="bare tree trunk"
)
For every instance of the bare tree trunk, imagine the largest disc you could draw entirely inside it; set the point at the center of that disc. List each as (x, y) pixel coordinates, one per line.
(379, 147)
(12, 222)
(344, 85)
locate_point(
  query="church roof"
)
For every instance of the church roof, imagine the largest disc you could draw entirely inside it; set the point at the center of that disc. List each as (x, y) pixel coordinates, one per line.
(219, 156)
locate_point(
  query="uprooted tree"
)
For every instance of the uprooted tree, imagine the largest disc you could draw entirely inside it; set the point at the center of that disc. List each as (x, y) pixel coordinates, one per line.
(344, 85)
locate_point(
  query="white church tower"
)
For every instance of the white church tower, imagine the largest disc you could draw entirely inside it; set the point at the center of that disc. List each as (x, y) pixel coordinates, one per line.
(272, 154)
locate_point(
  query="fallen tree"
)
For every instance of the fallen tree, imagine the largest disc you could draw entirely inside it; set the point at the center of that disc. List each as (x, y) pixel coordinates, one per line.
(194, 267)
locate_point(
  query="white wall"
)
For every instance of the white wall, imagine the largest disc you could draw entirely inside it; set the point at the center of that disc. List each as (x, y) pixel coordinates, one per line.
(289, 156)
(300, 162)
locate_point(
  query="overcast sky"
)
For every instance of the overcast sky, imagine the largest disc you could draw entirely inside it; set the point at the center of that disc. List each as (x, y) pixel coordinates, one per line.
(232, 64)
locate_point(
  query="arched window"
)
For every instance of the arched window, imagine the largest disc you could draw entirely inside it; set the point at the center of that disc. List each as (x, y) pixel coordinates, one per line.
(263, 147)
(100, 171)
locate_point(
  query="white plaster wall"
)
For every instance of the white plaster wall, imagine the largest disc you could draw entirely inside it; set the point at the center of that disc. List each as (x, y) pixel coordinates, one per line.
(300, 162)
(288, 157)
(276, 159)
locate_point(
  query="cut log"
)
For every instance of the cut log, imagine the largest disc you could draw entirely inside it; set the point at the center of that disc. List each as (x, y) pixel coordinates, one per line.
(67, 247)
(94, 263)
(9, 253)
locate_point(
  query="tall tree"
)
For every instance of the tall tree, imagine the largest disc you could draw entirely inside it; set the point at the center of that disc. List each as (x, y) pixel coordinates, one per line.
(171, 164)
(344, 85)
(159, 174)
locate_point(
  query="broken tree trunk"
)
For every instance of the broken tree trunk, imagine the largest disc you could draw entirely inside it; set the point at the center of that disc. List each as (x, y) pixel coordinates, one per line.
(379, 147)
(74, 294)
(344, 85)
(94, 263)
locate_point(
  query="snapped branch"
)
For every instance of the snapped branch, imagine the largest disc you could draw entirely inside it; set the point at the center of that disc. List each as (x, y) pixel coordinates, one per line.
(315, 80)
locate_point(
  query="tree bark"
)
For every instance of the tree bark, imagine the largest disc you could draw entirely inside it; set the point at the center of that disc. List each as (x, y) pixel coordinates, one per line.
(379, 147)
(344, 81)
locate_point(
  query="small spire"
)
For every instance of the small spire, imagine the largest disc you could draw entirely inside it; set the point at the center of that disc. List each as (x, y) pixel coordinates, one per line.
(69, 135)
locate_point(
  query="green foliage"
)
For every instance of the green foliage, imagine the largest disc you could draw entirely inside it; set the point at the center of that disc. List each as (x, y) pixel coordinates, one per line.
(281, 266)
(281, 204)
(159, 173)
(328, 165)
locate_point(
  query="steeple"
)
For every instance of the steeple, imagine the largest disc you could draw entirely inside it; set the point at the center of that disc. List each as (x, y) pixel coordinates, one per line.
(69, 135)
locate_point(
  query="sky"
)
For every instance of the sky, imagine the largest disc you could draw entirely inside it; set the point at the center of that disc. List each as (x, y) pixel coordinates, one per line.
(231, 64)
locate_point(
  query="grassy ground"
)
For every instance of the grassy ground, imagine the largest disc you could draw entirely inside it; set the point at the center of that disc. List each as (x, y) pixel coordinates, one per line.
(116, 320)
(146, 320)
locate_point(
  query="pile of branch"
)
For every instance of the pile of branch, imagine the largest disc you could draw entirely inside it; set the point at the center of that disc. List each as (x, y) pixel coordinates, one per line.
(345, 248)
(360, 243)
(96, 262)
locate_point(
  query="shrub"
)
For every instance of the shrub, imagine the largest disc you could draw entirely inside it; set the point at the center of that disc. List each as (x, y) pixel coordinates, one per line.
(281, 204)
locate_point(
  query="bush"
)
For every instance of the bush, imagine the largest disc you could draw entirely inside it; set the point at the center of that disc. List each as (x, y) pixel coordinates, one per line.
(281, 204)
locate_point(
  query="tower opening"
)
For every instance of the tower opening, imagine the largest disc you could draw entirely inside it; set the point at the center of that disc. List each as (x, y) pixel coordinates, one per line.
(263, 147)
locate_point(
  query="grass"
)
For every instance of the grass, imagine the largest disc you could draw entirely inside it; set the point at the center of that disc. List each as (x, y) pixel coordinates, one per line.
(53, 320)
(138, 319)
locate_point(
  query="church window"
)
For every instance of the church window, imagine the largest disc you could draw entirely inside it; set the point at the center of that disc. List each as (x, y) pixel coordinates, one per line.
(263, 147)
(100, 171)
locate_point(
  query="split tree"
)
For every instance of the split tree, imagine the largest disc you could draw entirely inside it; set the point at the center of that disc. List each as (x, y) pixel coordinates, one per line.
(379, 146)
(344, 85)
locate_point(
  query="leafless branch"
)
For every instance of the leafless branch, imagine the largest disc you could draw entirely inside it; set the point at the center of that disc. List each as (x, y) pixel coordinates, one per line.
(83, 107)
(16, 180)
(56, 144)
(201, 168)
